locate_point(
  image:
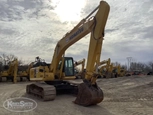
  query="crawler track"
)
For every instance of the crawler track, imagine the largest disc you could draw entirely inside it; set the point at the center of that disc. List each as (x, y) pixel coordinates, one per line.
(42, 90)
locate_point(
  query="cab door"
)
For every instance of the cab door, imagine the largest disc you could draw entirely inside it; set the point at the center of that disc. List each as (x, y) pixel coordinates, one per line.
(68, 66)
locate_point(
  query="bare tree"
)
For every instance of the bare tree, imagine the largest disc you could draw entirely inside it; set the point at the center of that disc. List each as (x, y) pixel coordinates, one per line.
(6, 58)
(20, 61)
(124, 67)
(116, 63)
(151, 65)
(137, 66)
(11, 57)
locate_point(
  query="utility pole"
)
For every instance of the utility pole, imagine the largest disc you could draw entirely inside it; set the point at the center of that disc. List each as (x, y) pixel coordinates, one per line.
(129, 62)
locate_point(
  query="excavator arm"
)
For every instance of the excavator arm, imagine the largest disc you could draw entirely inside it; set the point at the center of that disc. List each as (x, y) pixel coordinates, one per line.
(95, 25)
(80, 62)
(106, 62)
(89, 92)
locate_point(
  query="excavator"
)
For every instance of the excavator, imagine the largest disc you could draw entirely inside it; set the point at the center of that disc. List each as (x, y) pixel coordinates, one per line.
(112, 71)
(122, 72)
(104, 68)
(105, 62)
(80, 73)
(11, 72)
(118, 71)
(80, 62)
(38, 62)
(55, 77)
(108, 71)
(25, 74)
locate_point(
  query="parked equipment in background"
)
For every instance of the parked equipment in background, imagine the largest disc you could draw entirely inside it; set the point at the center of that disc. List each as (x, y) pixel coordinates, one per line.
(79, 73)
(10, 72)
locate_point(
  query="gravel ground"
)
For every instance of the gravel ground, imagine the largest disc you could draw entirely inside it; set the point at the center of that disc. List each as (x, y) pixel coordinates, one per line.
(123, 96)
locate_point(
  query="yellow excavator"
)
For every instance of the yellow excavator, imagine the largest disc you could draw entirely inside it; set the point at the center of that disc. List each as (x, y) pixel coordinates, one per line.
(112, 71)
(80, 73)
(80, 62)
(105, 62)
(56, 76)
(116, 70)
(104, 68)
(11, 72)
(107, 71)
(122, 72)
(26, 73)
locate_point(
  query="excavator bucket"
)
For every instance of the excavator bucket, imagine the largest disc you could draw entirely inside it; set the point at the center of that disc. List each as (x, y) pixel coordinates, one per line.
(89, 94)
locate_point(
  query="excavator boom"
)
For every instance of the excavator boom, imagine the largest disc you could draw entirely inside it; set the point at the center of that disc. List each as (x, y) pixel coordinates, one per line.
(89, 92)
(80, 62)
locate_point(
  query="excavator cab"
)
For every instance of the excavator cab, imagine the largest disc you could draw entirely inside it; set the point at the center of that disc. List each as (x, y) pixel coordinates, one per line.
(68, 66)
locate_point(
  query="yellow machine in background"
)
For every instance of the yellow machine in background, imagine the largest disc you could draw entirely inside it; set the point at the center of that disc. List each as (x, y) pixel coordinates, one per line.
(80, 62)
(57, 76)
(122, 72)
(11, 72)
(104, 68)
(80, 73)
(112, 72)
(24, 74)
(118, 71)
(108, 61)
(14, 74)
(107, 71)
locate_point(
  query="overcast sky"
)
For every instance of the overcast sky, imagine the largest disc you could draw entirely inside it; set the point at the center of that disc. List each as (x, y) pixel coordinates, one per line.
(30, 28)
